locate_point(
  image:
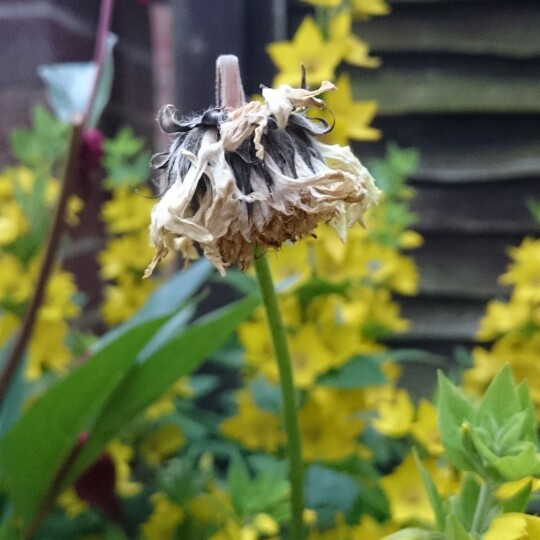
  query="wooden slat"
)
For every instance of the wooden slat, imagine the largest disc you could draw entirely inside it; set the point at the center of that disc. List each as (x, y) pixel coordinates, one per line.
(441, 319)
(494, 208)
(437, 83)
(463, 147)
(463, 265)
(485, 28)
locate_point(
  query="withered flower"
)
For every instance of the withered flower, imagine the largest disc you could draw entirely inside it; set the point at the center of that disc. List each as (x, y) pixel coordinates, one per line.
(253, 175)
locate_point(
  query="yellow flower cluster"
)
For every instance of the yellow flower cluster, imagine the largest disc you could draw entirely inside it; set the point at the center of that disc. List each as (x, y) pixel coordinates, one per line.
(126, 216)
(513, 326)
(24, 193)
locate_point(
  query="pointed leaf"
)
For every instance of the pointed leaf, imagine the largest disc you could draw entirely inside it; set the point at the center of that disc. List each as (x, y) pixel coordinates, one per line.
(358, 372)
(454, 529)
(500, 401)
(148, 380)
(59, 416)
(432, 492)
(453, 408)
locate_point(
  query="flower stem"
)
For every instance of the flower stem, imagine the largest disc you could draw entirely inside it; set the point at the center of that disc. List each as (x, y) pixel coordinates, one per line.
(290, 411)
(481, 507)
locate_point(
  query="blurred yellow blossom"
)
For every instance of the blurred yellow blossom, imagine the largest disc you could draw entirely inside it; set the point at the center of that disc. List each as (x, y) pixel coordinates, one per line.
(324, 3)
(13, 222)
(395, 414)
(160, 444)
(47, 349)
(406, 494)
(124, 297)
(514, 526)
(352, 118)
(308, 47)
(127, 253)
(425, 429)
(128, 210)
(16, 284)
(70, 502)
(329, 431)
(164, 519)
(364, 9)
(122, 454)
(255, 428)
(356, 50)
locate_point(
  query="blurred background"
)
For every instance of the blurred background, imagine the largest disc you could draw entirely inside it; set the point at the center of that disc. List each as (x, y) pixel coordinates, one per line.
(459, 81)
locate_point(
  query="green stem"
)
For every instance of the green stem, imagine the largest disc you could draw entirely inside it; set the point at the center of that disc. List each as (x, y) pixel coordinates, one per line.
(279, 340)
(481, 507)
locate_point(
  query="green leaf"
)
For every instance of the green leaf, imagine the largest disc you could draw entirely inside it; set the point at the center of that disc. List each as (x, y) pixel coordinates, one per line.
(526, 404)
(328, 493)
(166, 300)
(500, 401)
(148, 380)
(360, 371)
(125, 161)
(432, 493)
(453, 409)
(454, 529)
(42, 146)
(11, 406)
(267, 396)
(238, 481)
(465, 503)
(41, 441)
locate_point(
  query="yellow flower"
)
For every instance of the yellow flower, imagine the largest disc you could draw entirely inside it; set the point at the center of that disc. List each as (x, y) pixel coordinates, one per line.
(265, 525)
(328, 430)
(425, 429)
(126, 253)
(15, 281)
(254, 428)
(514, 526)
(324, 3)
(395, 414)
(503, 317)
(70, 502)
(364, 9)
(307, 48)
(309, 358)
(523, 271)
(164, 520)
(406, 494)
(13, 222)
(291, 263)
(508, 490)
(121, 455)
(58, 304)
(128, 211)
(73, 209)
(47, 349)
(125, 297)
(352, 118)
(165, 441)
(356, 50)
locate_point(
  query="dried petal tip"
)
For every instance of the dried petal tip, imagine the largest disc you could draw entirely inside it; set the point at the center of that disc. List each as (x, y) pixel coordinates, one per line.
(253, 175)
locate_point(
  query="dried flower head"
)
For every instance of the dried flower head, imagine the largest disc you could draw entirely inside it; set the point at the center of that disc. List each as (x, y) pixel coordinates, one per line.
(253, 175)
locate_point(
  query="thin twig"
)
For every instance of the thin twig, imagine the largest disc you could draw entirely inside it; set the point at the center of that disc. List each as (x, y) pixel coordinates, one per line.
(27, 326)
(104, 25)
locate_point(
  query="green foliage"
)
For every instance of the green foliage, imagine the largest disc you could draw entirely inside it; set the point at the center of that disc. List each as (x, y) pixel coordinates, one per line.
(266, 493)
(497, 438)
(43, 145)
(126, 162)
